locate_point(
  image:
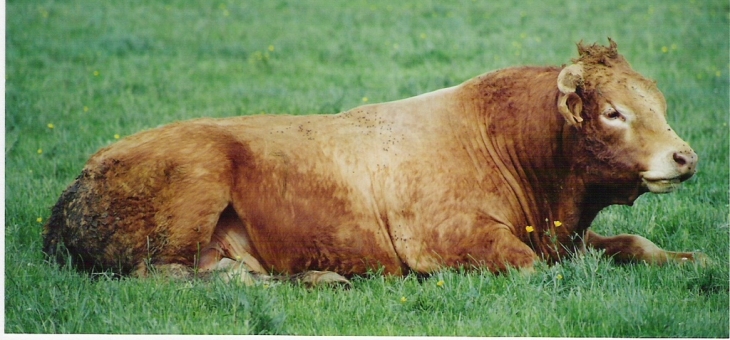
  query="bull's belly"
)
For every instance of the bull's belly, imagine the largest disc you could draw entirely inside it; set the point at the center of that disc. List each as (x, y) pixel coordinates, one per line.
(357, 252)
(300, 234)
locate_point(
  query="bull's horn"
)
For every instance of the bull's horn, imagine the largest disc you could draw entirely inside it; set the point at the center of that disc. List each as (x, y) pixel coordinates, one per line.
(569, 79)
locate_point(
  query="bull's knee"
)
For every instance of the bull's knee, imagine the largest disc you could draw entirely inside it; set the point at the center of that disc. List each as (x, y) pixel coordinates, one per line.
(520, 258)
(511, 252)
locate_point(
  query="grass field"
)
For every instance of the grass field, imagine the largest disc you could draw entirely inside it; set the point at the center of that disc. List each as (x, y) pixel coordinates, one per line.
(81, 74)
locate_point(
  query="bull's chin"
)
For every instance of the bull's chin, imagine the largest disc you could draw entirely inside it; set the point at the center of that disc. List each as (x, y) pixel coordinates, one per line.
(662, 185)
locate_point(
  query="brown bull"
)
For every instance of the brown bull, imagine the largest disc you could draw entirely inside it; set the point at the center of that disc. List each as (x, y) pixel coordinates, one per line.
(505, 169)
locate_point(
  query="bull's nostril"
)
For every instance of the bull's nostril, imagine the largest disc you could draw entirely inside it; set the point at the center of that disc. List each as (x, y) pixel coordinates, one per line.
(680, 158)
(686, 161)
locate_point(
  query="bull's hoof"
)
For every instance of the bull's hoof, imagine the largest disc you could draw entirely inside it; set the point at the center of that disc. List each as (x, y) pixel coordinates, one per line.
(173, 271)
(699, 258)
(315, 278)
(237, 271)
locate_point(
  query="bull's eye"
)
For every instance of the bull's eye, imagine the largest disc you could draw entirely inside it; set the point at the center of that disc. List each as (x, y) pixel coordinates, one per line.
(613, 114)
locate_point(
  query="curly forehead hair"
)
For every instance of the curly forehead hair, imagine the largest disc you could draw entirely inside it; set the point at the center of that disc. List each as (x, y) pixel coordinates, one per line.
(597, 54)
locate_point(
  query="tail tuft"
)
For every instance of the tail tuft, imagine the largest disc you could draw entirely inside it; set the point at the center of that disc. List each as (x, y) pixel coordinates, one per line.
(54, 229)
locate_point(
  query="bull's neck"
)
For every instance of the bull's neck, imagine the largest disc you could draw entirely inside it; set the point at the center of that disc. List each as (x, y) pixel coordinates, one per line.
(524, 137)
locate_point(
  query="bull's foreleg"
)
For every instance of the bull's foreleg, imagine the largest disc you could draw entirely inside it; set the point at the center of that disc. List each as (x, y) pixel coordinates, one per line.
(635, 248)
(499, 250)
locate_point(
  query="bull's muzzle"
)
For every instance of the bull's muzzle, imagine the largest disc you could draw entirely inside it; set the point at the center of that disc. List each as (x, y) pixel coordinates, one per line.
(666, 174)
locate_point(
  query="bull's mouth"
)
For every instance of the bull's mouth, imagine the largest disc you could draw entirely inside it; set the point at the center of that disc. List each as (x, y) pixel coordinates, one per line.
(661, 185)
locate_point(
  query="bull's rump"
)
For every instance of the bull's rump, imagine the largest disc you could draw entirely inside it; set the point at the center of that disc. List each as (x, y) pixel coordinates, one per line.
(156, 196)
(119, 211)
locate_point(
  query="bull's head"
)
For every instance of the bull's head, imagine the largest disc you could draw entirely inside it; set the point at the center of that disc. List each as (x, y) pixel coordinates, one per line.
(620, 123)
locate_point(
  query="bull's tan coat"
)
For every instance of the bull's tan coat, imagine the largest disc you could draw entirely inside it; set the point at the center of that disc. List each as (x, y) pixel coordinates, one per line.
(445, 179)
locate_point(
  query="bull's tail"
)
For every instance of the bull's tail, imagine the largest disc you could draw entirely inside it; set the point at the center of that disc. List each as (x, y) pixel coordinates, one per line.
(57, 226)
(75, 232)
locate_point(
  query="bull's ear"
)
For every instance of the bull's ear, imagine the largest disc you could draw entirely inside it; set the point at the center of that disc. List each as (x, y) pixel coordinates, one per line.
(569, 103)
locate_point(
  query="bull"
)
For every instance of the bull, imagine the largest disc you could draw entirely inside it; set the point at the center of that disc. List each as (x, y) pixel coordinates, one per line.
(503, 170)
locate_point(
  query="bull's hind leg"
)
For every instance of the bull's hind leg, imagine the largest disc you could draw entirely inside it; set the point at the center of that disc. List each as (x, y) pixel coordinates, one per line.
(188, 211)
(231, 270)
(229, 247)
(197, 243)
(230, 255)
(634, 248)
(313, 278)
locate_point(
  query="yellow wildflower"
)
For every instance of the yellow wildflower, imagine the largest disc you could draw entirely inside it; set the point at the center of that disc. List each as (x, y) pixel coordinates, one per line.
(40, 151)
(96, 73)
(116, 136)
(86, 109)
(560, 277)
(440, 283)
(51, 126)
(403, 299)
(364, 99)
(529, 229)
(271, 48)
(557, 223)
(665, 49)
(39, 219)
(224, 9)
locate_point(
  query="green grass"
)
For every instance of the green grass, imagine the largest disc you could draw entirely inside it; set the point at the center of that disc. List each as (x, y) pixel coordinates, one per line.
(96, 69)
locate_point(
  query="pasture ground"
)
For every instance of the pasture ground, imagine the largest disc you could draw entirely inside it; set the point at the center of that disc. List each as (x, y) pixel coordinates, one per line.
(81, 74)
